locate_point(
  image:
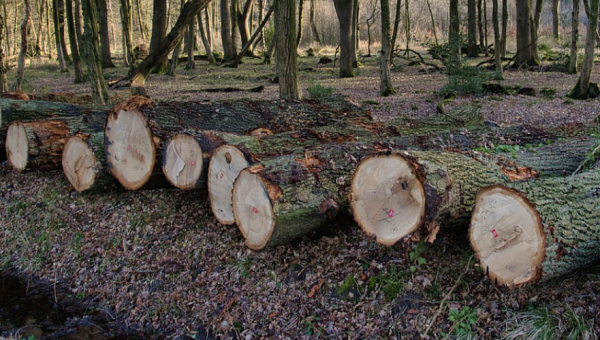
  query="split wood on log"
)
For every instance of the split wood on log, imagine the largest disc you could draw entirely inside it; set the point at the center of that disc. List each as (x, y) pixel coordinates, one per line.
(289, 196)
(84, 163)
(393, 195)
(36, 145)
(525, 231)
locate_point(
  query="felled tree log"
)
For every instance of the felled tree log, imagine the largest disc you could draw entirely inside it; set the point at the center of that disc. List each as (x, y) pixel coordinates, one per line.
(527, 231)
(36, 145)
(84, 164)
(393, 195)
(287, 197)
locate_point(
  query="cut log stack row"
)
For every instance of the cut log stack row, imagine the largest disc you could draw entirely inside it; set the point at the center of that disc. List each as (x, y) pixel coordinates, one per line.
(281, 170)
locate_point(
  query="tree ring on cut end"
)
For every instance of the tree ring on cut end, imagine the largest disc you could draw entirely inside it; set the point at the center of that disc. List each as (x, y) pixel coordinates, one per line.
(253, 209)
(17, 146)
(130, 150)
(183, 162)
(225, 165)
(507, 236)
(79, 164)
(387, 200)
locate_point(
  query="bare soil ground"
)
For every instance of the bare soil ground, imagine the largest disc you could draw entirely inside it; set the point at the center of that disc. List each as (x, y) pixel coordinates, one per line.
(157, 263)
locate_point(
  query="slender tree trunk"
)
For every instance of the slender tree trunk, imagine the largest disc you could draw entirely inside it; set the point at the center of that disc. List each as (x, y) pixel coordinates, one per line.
(226, 37)
(140, 20)
(355, 34)
(3, 81)
(300, 22)
(191, 43)
(574, 36)
(497, 42)
(524, 43)
(237, 59)
(205, 41)
(38, 39)
(23, 52)
(504, 26)
(534, 30)
(48, 37)
(234, 10)
(432, 22)
(73, 42)
(59, 51)
(104, 34)
(344, 10)
(407, 24)
(128, 38)
(556, 19)
(244, 24)
(61, 25)
(159, 30)
(385, 84)
(480, 22)
(176, 51)
(78, 22)
(581, 90)
(472, 28)
(396, 23)
(285, 37)
(454, 34)
(313, 25)
(91, 52)
(485, 28)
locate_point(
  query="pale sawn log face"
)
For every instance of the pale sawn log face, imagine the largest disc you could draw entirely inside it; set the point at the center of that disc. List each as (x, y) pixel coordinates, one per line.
(17, 146)
(182, 161)
(387, 200)
(130, 150)
(225, 165)
(79, 164)
(507, 236)
(253, 209)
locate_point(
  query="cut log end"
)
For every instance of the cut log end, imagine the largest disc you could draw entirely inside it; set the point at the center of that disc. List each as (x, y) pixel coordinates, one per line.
(17, 146)
(130, 150)
(387, 198)
(225, 166)
(79, 164)
(253, 209)
(183, 162)
(507, 236)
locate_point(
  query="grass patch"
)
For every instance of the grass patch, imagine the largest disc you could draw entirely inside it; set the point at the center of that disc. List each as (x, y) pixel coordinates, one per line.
(318, 91)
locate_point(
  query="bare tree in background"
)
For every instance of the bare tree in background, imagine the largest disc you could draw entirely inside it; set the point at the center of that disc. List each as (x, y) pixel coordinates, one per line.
(345, 10)
(79, 78)
(91, 52)
(3, 81)
(23, 51)
(286, 53)
(574, 37)
(582, 88)
(104, 35)
(385, 81)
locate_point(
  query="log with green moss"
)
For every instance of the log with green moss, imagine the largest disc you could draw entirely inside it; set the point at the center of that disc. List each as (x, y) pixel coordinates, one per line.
(527, 231)
(395, 195)
(290, 196)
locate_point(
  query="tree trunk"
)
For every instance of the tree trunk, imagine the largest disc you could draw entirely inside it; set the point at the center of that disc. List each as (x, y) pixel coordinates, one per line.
(3, 69)
(526, 231)
(38, 39)
(286, 53)
(61, 25)
(57, 37)
(84, 164)
(287, 197)
(480, 23)
(574, 37)
(454, 34)
(497, 41)
(535, 28)
(556, 18)
(432, 23)
(73, 42)
(392, 196)
(176, 52)
(91, 52)
(237, 60)
(189, 11)
(205, 41)
(159, 29)
(226, 37)
(127, 34)
(143, 29)
(244, 25)
(104, 35)
(191, 43)
(23, 51)
(504, 26)
(345, 11)
(524, 38)
(300, 22)
(313, 25)
(385, 85)
(472, 29)
(581, 89)
(396, 24)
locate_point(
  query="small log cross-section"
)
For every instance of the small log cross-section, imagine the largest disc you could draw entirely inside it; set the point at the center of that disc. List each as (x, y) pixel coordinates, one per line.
(394, 195)
(36, 145)
(84, 164)
(284, 198)
(531, 230)
(225, 165)
(182, 161)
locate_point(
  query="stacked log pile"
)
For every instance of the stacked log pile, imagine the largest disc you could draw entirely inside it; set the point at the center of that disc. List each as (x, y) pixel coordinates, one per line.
(281, 170)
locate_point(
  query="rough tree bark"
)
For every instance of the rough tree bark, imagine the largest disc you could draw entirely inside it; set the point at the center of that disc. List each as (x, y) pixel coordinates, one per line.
(385, 86)
(556, 18)
(243, 24)
(191, 43)
(57, 37)
(345, 10)
(91, 52)
(582, 88)
(300, 22)
(3, 70)
(286, 54)
(159, 29)
(205, 40)
(313, 25)
(504, 26)
(472, 29)
(23, 50)
(525, 53)
(74, 44)
(189, 11)
(105, 54)
(497, 41)
(527, 231)
(127, 34)
(227, 41)
(454, 34)
(574, 37)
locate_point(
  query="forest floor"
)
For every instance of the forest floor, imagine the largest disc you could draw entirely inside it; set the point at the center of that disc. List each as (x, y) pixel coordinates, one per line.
(157, 264)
